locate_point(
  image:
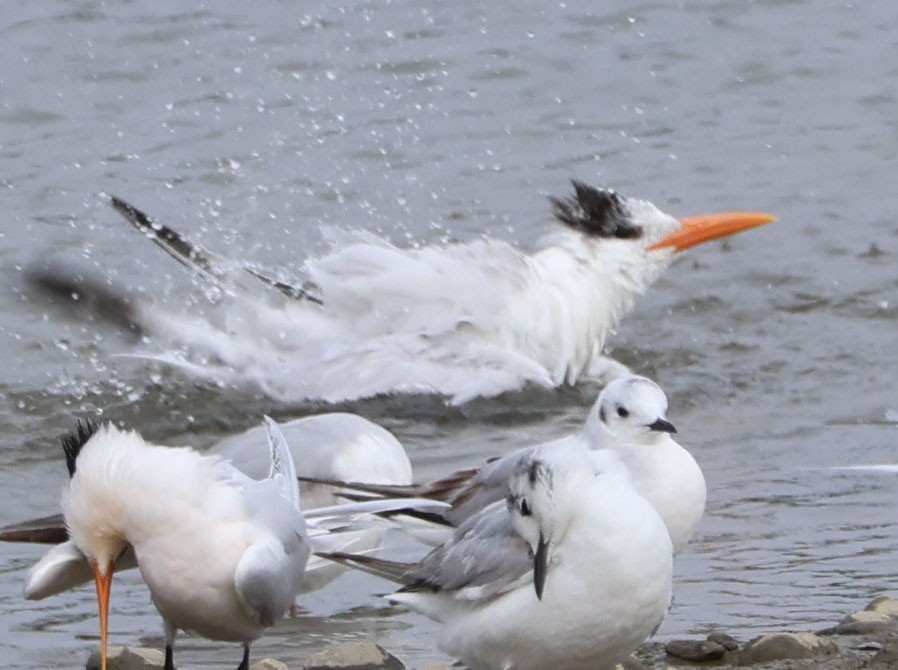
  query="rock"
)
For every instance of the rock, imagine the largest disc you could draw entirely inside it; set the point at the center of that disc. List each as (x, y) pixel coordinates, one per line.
(128, 658)
(268, 664)
(728, 642)
(863, 623)
(888, 656)
(353, 656)
(696, 651)
(883, 605)
(631, 663)
(782, 646)
(436, 666)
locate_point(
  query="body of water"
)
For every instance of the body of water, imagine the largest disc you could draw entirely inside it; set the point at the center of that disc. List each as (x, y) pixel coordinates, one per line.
(249, 126)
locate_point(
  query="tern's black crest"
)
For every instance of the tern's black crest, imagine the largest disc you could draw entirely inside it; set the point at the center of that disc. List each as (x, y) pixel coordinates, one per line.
(71, 444)
(596, 212)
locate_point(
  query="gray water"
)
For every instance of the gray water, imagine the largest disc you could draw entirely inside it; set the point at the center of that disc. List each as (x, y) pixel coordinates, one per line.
(248, 126)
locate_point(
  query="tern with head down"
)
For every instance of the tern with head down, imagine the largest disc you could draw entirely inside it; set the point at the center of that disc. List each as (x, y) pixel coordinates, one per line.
(223, 555)
(333, 446)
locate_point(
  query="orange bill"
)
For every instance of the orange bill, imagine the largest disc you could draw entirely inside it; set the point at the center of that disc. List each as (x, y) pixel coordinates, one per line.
(700, 229)
(104, 583)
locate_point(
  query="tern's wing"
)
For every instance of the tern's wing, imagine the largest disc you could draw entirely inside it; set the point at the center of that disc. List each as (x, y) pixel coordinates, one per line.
(215, 270)
(283, 470)
(267, 579)
(64, 567)
(269, 574)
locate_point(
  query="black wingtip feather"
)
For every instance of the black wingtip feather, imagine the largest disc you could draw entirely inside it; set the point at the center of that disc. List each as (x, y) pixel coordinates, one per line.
(181, 249)
(196, 259)
(595, 212)
(72, 444)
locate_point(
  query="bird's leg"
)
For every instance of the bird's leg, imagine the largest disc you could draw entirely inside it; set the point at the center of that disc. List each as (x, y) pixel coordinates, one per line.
(170, 633)
(244, 664)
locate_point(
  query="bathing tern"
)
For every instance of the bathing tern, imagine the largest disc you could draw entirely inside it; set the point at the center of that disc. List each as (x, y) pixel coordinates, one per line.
(460, 321)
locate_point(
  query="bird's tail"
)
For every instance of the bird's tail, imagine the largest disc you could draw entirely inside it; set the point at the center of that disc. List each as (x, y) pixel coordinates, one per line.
(394, 571)
(440, 489)
(46, 530)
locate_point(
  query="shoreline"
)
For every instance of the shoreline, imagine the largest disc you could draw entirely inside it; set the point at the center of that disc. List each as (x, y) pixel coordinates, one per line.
(866, 638)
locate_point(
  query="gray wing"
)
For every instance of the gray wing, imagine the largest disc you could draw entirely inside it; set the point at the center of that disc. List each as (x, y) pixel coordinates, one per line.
(486, 487)
(486, 552)
(269, 574)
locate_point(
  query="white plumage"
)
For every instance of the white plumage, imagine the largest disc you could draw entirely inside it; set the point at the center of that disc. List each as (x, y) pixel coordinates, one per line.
(222, 555)
(629, 419)
(461, 321)
(335, 446)
(573, 572)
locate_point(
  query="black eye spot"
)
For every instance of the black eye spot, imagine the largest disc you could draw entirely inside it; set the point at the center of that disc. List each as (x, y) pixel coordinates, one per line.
(622, 412)
(525, 508)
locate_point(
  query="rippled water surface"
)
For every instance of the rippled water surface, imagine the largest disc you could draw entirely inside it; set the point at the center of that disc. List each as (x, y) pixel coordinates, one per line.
(248, 126)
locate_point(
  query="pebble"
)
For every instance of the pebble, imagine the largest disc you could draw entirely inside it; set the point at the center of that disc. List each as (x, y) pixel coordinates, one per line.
(887, 656)
(353, 656)
(728, 642)
(696, 651)
(880, 615)
(128, 658)
(268, 664)
(782, 646)
(883, 605)
(144, 658)
(631, 663)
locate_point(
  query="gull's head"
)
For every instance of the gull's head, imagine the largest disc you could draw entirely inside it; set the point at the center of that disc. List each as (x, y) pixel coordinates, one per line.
(89, 505)
(630, 410)
(541, 491)
(637, 224)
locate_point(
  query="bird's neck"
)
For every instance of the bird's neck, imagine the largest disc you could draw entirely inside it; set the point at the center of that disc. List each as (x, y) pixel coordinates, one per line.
(137, 495)
(582, 287)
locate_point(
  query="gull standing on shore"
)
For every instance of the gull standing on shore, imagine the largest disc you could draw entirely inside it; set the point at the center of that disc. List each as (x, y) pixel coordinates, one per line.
(629, 418)
(572, 571)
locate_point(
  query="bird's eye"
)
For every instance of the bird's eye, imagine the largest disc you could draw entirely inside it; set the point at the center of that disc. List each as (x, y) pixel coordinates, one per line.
(622, 412)
(525, 508)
